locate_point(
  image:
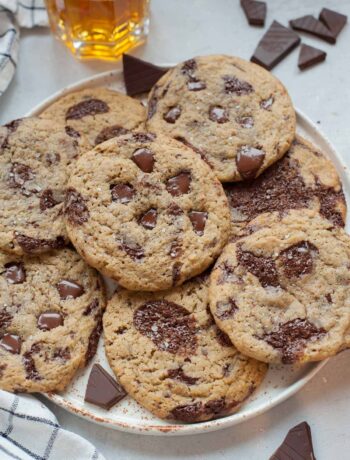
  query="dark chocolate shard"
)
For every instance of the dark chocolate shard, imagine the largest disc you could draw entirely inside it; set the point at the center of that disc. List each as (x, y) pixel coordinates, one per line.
(313, 26)
(102, 389)
(333, 21)
(275, 45)
(255, 12)
(140, 76)
(296, 445)
(310, 56)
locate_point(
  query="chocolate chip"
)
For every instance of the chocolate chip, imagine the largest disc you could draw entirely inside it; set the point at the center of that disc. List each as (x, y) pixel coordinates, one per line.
(187, 412)
(298, 259)
(296, 445)
(69, 289)
(196, 85)
(75, 207)
(63, 354)
(329, 200)
(313, 26)
(329, 298)
(123, 193)
(15, 272)
(179, 375)
(234, 85)
(144, 159)
(72, 132)
(102, 389)
(93, 339)
(246, 122)
(179, 185)
(226, 309)
(5, 319)
(255, 12)
(189, 67)
(249, 160)
(152, 106)
(11, 128)
(29, 366)
(50, 320)
(169, 325)
(215, 406)
(266, 104)
(36, 245)
(264, 268)
(109, 132)
(218, 114)
(47, 200)
(291, 337)
(176, 273)
(172, 114)
(143, 137)
(134, 250)
(85, 108)
(91, 308)
(20, 174)
(175, 249)
(333, 21)
(11, 343)
(174, 210)
(222, 338)
(149, 219)
(198, 220)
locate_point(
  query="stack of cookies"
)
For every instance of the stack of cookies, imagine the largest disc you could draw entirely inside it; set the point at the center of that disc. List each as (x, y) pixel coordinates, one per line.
(223, 230)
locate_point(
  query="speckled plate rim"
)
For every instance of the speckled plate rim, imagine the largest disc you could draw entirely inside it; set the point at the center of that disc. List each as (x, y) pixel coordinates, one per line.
(309, 130)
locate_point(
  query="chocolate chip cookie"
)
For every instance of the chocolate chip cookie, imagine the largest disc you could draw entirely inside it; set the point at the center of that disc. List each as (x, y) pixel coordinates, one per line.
(50, 319)
(34, 157)
(97, 113)
(282, 293)
(146, 211)
(170, 356)
(233, 113)
(303, 178)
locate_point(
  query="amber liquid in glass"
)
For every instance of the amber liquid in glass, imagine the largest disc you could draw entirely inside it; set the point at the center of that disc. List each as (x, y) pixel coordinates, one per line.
(99, 28)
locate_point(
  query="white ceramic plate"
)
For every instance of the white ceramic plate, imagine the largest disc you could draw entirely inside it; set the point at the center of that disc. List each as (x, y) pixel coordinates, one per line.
(280, 383)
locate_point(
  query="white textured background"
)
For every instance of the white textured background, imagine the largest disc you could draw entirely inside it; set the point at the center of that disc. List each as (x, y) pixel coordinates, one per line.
(181, 29)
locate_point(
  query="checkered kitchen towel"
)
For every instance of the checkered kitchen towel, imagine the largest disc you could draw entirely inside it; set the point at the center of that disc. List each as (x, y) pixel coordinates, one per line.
(13, 15)
(28, 431)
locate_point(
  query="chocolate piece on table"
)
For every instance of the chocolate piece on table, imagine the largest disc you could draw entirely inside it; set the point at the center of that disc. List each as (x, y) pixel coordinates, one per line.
(255, 12)
(309, 56)
(296, 445)
(313, 26)
(102, 389)
(333, 21)
(140, 76)
(275, 45)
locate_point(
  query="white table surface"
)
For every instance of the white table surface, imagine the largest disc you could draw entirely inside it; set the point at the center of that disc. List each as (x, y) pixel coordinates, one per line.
(181, 29)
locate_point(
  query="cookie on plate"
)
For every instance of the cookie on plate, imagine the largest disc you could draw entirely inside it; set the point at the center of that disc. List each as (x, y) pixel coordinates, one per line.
(282, 293)
(50, 319)
(34, 157)
(303, 178)
(146, 211)
(169, 355)
(235, 114)
(97, 113)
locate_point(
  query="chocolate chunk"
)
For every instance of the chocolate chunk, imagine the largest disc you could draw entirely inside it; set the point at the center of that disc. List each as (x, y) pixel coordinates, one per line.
(172, 114)
(140, 76)
(170, 326)
(176, 273)
(47, 200)
(228, 274)
(123, 193)
(313, 26)
(222, 338)
(15, 272)
(20, 174)
(298, 260)
(180, 376)
(85, 108)
(93, 339)
(226, 309)
(215, 406)
(310, 56)
(291, 338)
(296, 445)
(198, 220)
(134, 250)
(329, 298)
(188, 412)
(109, 132)
(102, 389)
(266, 104)
(149, 219)
(174, 210)
(264, 268)
(37, 245)
(236, 86)
(143, 137)
(11, 343)
(196, 85)
(246, 122)
(11, 128)
(75, 207)
(179, 185)
(152, 106)
(329, 199)
(333, 21)
(275, 45)
(189, 67)
(72, 132)
(5, 319)
(218, 114)
(69, 289)
(49, 320)
(175, 249)
(249, 160)
(91, 308)
(63, 354)
(144, 159)
(29, 366)
(255, 12)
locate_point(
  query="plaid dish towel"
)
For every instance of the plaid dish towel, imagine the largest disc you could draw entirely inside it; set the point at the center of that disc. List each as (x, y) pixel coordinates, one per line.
(28, 430)
(13, 15)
